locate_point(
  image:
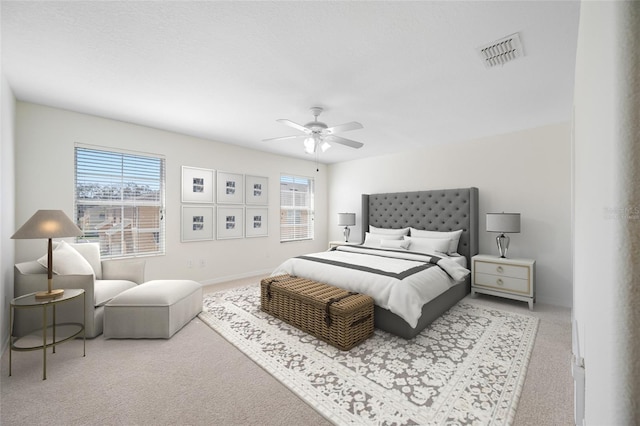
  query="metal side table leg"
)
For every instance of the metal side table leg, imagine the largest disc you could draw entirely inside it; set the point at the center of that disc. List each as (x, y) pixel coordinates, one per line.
(44, 342)
(84, 325)
(10, 335)
(53, 330)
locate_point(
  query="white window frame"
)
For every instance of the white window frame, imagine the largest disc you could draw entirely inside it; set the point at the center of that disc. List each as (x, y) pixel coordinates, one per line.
(138, 232)
(288, 206)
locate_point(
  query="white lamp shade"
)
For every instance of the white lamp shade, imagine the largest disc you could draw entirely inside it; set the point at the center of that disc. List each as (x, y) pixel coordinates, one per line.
(48, 224)
(503, 222)
(346, 219)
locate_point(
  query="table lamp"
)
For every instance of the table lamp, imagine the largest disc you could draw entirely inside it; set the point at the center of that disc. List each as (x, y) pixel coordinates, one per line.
(346, 220)
(503, 223)
(48, 224)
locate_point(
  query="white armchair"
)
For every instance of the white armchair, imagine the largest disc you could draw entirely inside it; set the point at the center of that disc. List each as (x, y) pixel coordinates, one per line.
(109, 278)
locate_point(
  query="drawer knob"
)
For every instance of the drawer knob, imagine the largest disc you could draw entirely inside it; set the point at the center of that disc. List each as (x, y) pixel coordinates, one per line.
(499, 269)
(499, 281)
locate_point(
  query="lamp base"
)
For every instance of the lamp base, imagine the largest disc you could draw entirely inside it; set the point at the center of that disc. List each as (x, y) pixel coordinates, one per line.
(50, 294)
(503, 244)
(347, 231)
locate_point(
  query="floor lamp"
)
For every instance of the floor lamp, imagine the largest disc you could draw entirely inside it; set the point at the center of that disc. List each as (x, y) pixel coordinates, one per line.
(48, 224)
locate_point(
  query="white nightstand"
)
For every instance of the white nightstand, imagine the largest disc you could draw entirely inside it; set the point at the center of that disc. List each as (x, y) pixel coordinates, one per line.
(511, 278)
(333, 244)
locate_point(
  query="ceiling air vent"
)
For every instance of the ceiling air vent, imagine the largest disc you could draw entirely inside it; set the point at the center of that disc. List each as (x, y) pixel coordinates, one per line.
(501, 51)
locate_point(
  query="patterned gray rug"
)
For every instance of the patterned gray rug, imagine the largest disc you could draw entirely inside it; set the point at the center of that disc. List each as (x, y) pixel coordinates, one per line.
(468, 367)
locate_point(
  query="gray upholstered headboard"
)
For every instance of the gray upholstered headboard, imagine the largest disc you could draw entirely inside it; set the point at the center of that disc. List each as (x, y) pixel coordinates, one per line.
(437, 210)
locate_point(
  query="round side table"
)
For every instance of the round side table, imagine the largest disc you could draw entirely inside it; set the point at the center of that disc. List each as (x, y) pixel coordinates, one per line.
(53, 334)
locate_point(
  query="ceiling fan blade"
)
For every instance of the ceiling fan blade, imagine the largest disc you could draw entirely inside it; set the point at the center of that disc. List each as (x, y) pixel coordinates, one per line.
(281, 138)
(294, 125)
(344, 141)
(354, 125)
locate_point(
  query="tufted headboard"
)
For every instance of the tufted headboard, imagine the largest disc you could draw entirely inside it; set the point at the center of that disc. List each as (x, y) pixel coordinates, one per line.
(437, 210)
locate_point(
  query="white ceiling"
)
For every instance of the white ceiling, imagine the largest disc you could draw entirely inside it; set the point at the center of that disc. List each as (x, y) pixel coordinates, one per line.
(408, 71)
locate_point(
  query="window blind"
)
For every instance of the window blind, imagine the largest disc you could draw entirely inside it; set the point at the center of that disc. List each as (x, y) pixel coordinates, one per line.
(296, 208)
(119, 201)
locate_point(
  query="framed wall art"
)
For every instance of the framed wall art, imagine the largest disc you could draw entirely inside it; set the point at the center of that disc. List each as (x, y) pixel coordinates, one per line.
(256, 222)
(230, 188)
(230, 222)
(256, 190)
(197, 223)
(197, 185)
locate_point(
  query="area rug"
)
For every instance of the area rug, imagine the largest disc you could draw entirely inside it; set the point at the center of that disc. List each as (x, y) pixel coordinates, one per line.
(468, 367)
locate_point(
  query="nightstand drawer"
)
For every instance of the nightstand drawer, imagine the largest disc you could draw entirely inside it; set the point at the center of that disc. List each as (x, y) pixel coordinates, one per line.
(502, 283)
(514, 271)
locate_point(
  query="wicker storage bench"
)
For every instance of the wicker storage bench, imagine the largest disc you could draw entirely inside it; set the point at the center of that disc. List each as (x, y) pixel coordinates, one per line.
(338, 317)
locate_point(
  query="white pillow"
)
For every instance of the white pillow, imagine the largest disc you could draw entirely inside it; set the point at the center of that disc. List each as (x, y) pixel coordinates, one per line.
(429, 245)
(91, 252)
(454, 236)
(388, 231)
(67, 261)
(395, 244)
(375, 240)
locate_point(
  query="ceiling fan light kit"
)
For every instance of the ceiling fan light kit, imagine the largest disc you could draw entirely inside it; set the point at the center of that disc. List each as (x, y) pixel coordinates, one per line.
(312, 143)
(317, 135)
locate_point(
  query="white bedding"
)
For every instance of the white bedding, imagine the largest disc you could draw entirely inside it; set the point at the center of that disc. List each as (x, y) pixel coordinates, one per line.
(397, 280)
(458, 258)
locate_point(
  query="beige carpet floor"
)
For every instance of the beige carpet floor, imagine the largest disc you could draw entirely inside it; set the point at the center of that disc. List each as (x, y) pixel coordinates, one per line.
(198, 378)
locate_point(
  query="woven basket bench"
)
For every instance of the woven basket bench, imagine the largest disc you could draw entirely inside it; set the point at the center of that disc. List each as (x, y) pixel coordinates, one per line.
(341, 318)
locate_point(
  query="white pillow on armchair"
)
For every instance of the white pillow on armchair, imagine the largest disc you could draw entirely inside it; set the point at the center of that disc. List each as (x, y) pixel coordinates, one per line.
(67, 261)
(91, 252)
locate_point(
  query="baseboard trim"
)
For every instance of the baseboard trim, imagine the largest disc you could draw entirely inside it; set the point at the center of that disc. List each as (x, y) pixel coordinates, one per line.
(236, 277)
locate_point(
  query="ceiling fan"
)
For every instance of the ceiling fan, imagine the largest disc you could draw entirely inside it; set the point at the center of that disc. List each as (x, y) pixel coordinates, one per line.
(317, 135)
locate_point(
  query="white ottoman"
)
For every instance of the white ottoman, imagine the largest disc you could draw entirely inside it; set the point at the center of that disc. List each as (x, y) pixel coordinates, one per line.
(152, 310)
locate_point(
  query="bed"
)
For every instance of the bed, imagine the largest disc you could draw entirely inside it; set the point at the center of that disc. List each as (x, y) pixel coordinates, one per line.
(436, 210)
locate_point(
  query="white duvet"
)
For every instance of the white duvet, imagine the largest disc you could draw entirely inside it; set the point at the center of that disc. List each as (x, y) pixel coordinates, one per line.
(397, 280)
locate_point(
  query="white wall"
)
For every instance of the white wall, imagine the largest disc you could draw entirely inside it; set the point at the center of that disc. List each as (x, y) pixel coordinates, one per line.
(7, 224)
(45, 180)
(526, 172)
(607, 210)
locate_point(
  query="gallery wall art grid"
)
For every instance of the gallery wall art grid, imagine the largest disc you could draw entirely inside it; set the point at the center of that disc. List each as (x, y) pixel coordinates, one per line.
(242, 205)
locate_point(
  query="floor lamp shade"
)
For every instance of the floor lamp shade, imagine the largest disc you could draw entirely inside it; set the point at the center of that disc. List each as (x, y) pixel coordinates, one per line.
(48, 224)
(346, 220)
(503, 223)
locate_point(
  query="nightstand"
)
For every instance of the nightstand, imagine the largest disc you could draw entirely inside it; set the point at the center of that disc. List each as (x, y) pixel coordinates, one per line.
(510, 278)
(333, 244)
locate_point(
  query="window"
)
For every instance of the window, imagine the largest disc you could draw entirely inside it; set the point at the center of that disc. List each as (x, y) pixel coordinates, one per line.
(296, 208)
(119, 201)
